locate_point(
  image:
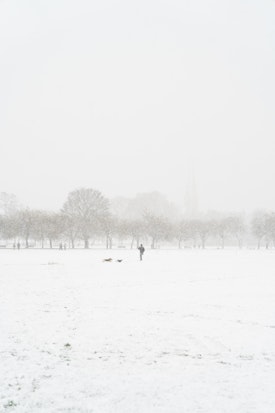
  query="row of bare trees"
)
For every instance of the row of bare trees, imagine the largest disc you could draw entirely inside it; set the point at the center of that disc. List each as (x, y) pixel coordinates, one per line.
(86, 218)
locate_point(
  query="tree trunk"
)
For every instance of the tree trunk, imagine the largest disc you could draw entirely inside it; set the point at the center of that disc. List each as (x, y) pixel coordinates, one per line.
(86, 244)
(51, 243)
(108, 242)
(27, 242)
(179, 244)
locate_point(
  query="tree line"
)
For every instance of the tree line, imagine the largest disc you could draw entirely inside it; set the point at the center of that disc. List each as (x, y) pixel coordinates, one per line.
(87, 218)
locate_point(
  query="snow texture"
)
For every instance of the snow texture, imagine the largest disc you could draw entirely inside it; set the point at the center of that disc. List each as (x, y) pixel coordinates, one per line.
(180, 332)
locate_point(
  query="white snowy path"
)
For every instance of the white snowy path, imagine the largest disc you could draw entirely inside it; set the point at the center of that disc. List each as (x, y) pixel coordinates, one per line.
(180, 332)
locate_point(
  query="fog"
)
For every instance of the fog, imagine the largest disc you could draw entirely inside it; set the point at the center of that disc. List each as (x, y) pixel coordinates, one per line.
(130, 97)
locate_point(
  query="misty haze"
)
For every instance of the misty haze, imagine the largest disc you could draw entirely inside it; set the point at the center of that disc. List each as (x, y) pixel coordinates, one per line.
(137, 206)
(129, 98)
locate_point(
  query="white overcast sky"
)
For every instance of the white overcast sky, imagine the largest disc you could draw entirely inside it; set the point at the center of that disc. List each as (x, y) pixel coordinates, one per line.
(130, 96)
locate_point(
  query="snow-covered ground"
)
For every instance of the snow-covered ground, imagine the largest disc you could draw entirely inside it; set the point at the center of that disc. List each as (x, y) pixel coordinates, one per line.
(181, 332)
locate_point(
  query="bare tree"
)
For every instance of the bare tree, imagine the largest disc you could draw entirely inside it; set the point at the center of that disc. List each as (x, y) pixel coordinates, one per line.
(205, 228)
(157, 228)
(70, 228)
(136, 230)
(40, 226)
(271, 226)
(86, 207)
(225, 226)
(237, 228)
(108, 224)
(265, 225)
(259, 226)
(26, 221)
(122, 230)
(183, 231)
(55, 226)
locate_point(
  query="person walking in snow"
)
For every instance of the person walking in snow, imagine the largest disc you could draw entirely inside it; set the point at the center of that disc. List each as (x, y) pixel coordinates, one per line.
(141, 251)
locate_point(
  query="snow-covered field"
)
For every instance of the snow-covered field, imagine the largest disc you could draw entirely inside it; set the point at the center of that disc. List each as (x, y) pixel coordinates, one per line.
(181, 332)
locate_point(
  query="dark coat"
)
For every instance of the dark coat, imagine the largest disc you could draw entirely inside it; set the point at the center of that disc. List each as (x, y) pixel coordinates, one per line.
(141, 249)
